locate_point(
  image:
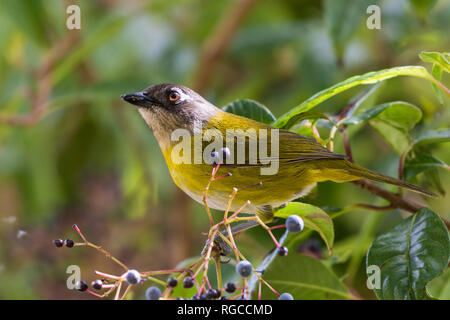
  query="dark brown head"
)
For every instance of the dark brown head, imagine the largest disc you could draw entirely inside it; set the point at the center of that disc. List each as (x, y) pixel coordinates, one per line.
(166, 107)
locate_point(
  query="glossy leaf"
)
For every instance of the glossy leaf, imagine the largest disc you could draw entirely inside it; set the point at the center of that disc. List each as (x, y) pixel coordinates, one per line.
(367, 78)
(422, 163)
(410, 255)
(250, 109)
(432, 137)
(393, 121)
(315, 218)
(441, 62)
(399, 114)
(304, 277)
(440, 58)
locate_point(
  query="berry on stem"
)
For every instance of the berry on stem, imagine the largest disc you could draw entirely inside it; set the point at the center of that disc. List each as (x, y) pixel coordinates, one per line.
(282, 251)
(81, 286)
(294, 223)
(217, 293)
(97, 284)
(230, 287)
(188, 283)
(286, 296)
(69, 243)
(133, 277)
(172, 282)
(153, 293)
(212, 294)
(58, 242)
(244, 268)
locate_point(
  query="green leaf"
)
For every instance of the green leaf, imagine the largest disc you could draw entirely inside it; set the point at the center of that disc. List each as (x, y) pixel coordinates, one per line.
(399, 114)
(433, 181)
(441, 62)
(305, 278)
(306, 131)
(436, 72)
(313, 116)
(410, 255)
(315, 218)
(367, 78)
(364, 100)
(422, 163)
(250, 109)
(432, 137)
(396, 138)
(439, 288)
(440, 58)
(392, 120)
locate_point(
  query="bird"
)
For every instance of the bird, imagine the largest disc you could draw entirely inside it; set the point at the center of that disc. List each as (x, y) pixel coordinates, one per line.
(300, 162)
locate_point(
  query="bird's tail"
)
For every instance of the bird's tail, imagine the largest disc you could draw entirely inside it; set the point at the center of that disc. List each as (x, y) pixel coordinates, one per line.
(360, 172)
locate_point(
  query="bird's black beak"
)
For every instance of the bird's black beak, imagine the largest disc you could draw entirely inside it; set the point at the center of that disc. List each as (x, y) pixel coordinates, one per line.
(138, 99)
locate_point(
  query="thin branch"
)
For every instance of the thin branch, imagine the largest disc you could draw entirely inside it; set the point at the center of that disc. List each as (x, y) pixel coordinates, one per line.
(346, 142)
(40, 98)
(395, 200)
(219, 41)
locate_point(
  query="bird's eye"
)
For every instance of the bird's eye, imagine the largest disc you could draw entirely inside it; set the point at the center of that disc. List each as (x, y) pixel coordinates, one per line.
(174, 96)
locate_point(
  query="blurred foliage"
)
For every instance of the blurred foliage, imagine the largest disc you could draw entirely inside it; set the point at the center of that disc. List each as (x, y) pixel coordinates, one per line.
(91, 160)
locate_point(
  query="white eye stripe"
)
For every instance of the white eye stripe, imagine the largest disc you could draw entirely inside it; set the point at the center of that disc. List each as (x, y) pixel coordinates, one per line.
(183, 96)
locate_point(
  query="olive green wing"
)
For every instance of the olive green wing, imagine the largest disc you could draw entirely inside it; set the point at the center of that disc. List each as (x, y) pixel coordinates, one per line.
(296, 148)
(292, 148)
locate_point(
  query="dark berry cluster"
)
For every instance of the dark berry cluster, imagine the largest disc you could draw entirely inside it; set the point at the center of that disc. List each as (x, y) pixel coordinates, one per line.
(61, 243)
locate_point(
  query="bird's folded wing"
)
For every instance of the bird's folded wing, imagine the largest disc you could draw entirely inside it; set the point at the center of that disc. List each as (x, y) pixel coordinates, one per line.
(292, 148)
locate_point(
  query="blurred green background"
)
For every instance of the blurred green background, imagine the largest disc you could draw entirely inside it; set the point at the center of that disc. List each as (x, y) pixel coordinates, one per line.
(84, 156)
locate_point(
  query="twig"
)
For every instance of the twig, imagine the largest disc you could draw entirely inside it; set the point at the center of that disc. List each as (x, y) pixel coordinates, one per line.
(39, 100)
(346, 142)
(395, 200)
(98, 248)
(218, 42)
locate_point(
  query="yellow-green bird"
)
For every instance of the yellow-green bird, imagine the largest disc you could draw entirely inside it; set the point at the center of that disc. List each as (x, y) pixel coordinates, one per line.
(301, 162)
